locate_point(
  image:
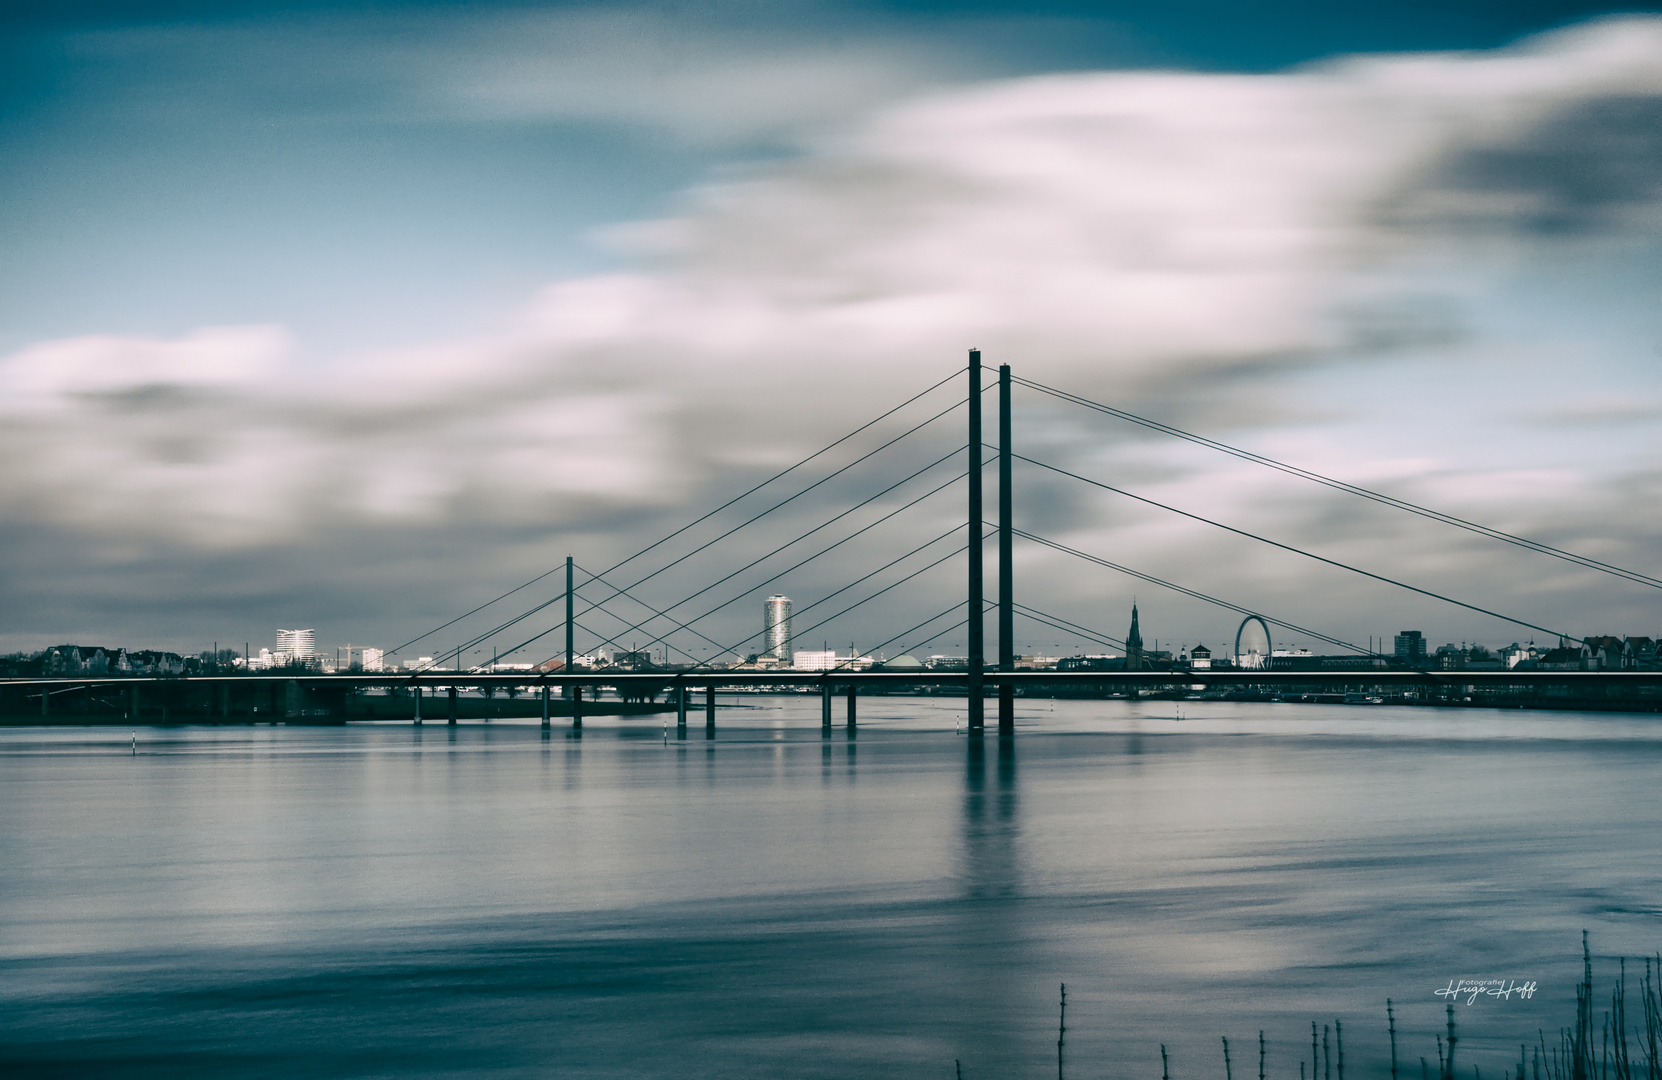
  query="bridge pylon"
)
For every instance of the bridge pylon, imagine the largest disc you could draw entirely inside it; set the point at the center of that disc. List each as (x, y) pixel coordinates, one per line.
(977, 578)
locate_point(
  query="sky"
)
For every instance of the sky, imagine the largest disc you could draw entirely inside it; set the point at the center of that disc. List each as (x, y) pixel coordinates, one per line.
(356, 316)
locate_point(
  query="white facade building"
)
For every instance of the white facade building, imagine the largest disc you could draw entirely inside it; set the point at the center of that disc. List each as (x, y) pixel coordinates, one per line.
(295, 646)
(828, 660)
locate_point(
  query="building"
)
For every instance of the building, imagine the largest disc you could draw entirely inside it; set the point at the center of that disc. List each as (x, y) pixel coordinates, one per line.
(1200, 658)
(828, 660)
(372, 659)
(776, 628)
(1609, 653)
(152, 662)
(75, 660)
(1564, 658)
(1090, 663)
(295, 647)
(1410, 647)
(1134, 659)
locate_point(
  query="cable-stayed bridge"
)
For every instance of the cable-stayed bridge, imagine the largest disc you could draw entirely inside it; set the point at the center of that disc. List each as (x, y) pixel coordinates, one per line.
(921, 474)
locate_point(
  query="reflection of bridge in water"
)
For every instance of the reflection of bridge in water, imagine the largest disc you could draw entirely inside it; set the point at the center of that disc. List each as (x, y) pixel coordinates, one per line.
(305, 696)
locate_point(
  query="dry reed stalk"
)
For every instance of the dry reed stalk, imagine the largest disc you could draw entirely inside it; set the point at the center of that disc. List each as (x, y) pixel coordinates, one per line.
(1391, 1025)
(1061, 1030)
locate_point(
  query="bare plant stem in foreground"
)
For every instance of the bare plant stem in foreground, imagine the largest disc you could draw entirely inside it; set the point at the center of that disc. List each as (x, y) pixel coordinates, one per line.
(1061, 1030)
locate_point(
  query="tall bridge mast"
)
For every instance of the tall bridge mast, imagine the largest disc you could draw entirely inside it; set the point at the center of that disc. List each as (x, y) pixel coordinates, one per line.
(977, 630)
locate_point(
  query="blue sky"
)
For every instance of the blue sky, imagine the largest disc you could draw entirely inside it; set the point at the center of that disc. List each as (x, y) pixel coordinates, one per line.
(275, 274)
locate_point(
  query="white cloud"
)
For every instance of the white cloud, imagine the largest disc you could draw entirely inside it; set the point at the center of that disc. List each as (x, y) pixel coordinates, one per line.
(55, 375)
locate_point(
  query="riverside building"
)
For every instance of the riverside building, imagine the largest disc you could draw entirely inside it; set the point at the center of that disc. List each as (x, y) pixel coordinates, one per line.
(295, 646)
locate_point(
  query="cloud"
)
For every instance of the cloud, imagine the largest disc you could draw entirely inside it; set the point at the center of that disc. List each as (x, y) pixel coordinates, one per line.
(1176, 241)
(1598, 410)
(59, 375)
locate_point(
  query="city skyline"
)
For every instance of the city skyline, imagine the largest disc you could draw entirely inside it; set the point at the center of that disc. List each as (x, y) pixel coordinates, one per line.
(297, 648)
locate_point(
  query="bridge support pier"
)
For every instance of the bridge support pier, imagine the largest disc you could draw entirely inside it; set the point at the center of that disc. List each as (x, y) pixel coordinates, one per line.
(680, 711)
(545, 716)
(135, 697)
(46, 701)
(851, 696)
(825, 710)
(1006, 712)
(709, 712)
(452, 703)
(577, 707)
(225, 700)
(418, 705)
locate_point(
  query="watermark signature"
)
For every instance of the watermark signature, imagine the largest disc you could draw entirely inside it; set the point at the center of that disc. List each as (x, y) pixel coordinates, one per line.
(1472, 989)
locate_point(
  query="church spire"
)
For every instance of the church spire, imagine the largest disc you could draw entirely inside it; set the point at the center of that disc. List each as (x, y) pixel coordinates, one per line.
(1134, 639)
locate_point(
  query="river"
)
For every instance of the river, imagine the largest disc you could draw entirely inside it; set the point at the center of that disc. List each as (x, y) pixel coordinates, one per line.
(496, 900)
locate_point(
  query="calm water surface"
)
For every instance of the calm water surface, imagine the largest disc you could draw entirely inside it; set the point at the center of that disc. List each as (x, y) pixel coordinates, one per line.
(489, 900)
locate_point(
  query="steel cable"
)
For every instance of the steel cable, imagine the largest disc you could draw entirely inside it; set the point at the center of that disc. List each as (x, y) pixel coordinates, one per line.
(797, 566)
(1352, 489)
(1187, 591)
(1294, 550)
(696, 521)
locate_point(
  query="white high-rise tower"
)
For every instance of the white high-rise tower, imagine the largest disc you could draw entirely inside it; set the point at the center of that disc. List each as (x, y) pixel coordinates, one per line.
(776, 628)
(295, 646)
